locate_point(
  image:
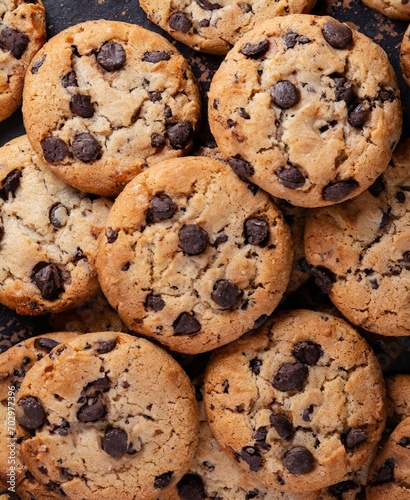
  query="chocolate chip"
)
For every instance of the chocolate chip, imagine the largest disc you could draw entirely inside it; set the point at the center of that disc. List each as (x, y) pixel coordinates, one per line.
(58, 215)
(244, 114)
(336, 191)
(385, 95)
(191, 487)
(10, 184)
(255, 49)
(400, 197)
(260, 434)
(155, 96)
(260, 321)
(92, 412)
(291, 177)
(13, 41)
(378, 186)
(337, 35)
(54, 149)
(32, 413)
(298, 460)
(157, 140)
(354, 437)
(105, 346)
(55, 488)
(37, 65)
(252, 457)
(241, 167)
(284, 94)
(186, 324)
(291, 39)
(256, 232)
(255, 365)
(404, 442)
(307, 352)
(385, 473)
(193, 239)
(344, 90)
(359, 115)
(222, 237)
(111, 235)
(323, 278)
(48, 279)
(45, 344)
(69, 79)
(85, 147)
(290, 377)
(80, 105)
(204, 23)
(207, 5)
(161, 208)
(180, 22)
(338, 489)
(115, 442)
(156, 56)
(307, 412)
(96, 387)
(225, 293)
(163, 480)
(154, 302)
(179, 134)
(111, 56)
(282, 425)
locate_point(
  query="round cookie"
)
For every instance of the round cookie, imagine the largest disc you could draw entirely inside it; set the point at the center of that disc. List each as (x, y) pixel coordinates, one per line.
(214, 27)
(360, 251)
(48, 235)
(98, 427)
(22, 33)
(191, 257)
(306, 108)
(389, 477)
(300, 404)
(405, 56)
(108, 99)
(398, 397)
(396, 9)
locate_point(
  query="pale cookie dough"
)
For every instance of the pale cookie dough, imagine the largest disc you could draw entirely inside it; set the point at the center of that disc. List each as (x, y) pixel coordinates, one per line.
(48, 235)
(396, 9)
(22, 34)
(360, 251)
(306, 108)
(191, 257)
(108, 99)
(214, 26)
(111, 416)
(300, 404)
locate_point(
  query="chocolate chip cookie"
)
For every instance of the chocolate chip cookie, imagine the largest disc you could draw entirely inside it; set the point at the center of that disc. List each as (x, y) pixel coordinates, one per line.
(405, 56)
(398, 396)
(22, 34)
(191, 256)
(48, 235)
(360, 251)
(307, 108)
(396, 9)
(98, 427)
(300, 404)
(107, 99)
(214, 26)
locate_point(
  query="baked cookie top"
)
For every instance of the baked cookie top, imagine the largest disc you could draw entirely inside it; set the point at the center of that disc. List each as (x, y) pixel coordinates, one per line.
(191, 256)
(105, 100)
(22, 33)
(360, 251)
(396, 9)
(300, 404)
(306, 108)
(48, 235)
(97, 424)
(215, 26)
(404, 56)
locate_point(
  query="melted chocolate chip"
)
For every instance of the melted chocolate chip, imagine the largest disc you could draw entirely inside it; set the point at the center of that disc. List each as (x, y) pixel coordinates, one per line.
(92, 412)
(385, 473)
(54, 149)
(291, 39)
(13, 41)
(104, 346)
(282, 425)
(225, 293)
(157, 140)
(255, 49)
(85, 147)
(161, 208)
(115, 442)
(32, 413)
(284, 94)
(80, 105)
(58, 215)
(37, 65)
(378, 186)
(290, 377)
(111, 56)
(260, 321)
(307, 412)
(186, 324)
(193, 239)
(260, 435)
(404, 442)
(337, 35)
(221, 238)
(179, 134)
(154, 302)
(156, 56)
(298, 460)
(307, 352)
(385, 95)
(255, 365)
(354, 437)
(323, 278)
(179, 21)
(256, 232)
(338, 489)
(48, 279)
(10, 184)
(191, 487)
(69, 79)
(344, 90)
(241, 167)
(207, 5)
(359, 114)
(252, 457)
(336, 191)
(155, 96)
(163, 480)
(291, 177)
(243, 114)
(111, 235)
(45, 344)
(96, 387)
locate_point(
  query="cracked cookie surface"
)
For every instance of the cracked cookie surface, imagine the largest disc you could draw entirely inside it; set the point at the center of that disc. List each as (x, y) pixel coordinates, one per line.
(99, 430)
(191, 256)
(360, 251)
(105, 100)
(307, 109)
(300, 404)
(48, 235)
(214, 27)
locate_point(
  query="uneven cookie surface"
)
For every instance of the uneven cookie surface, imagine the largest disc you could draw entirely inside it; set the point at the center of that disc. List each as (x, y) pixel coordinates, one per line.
(191, 256)
(300, 404)
(361, 251)
(306, 108)
(103, 99)
(22, 33)
(215, 26)
(48, 235)
(98, 428)
(396, 9)
(405, 56)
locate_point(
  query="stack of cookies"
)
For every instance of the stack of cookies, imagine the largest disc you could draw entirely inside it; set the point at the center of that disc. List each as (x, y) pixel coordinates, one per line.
(178, 365)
